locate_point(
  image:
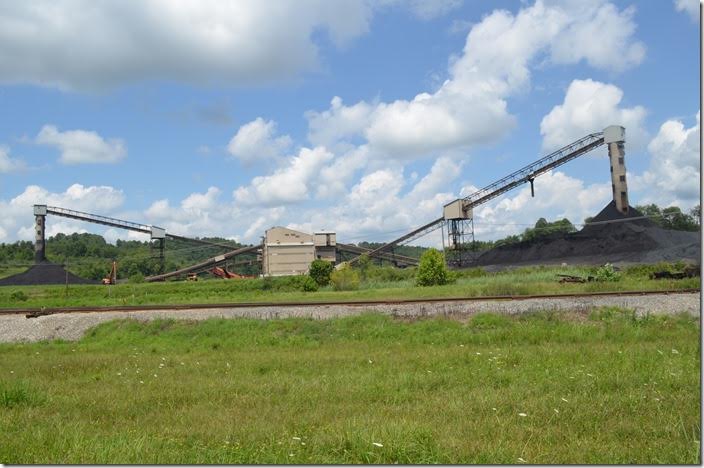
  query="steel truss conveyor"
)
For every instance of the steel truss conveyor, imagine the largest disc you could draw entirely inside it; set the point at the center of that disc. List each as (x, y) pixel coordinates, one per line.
(464, 206)
(156, 233)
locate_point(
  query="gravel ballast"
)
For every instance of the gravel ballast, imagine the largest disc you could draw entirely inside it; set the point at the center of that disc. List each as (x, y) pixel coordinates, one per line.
(72, 326)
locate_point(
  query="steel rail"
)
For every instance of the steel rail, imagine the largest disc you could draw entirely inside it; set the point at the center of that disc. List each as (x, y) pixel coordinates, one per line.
(39, 311)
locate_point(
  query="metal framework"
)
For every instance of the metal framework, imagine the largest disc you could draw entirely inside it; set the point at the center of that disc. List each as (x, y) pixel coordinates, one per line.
(157, 234)
(458, 231)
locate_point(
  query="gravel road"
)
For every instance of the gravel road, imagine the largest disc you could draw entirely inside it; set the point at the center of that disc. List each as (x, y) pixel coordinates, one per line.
(72, 326)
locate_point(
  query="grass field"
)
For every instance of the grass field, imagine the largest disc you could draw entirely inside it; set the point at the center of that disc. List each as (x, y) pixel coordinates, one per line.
(543, 388)
(389, 284)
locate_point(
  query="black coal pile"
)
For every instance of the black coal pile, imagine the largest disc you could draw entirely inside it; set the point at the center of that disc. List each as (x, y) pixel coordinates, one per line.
(44, 273)
(617, 239)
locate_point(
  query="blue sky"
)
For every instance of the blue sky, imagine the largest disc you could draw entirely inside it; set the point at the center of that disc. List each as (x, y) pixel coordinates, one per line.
(214, 118)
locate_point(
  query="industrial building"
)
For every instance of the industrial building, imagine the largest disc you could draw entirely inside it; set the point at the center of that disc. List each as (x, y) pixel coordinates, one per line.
(289, 252)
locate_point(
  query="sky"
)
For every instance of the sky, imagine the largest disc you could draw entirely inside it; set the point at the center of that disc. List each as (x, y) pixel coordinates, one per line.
(213, 118)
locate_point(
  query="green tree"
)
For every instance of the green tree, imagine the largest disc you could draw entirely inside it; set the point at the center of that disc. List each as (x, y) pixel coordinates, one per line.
(320, 271)
(432, 269)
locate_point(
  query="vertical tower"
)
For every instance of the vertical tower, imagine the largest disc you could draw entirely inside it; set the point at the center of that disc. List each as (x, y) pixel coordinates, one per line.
(39, 243)
(615, 138)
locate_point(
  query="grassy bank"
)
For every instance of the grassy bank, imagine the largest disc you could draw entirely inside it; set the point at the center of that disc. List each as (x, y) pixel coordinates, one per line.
(386, 284)
(369, 389)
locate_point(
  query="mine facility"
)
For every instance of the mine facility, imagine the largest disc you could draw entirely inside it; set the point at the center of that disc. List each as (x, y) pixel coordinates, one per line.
(617, 233)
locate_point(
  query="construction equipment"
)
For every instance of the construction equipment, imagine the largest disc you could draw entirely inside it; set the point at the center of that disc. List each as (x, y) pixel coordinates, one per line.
(112, 276)
(224, 273)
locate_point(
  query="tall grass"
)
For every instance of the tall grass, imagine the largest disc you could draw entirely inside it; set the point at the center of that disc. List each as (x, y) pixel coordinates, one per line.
(610, 388)
(380, 284)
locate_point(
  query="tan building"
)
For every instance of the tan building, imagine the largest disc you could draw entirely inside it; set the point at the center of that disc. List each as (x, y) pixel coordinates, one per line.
(325, 245)
(289, 252)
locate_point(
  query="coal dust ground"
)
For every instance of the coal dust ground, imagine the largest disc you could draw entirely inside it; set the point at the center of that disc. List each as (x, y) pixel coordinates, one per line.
(44, 273)
(612, 237)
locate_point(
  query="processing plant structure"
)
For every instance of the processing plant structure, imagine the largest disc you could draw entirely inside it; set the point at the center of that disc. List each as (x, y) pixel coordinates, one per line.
(285, 251)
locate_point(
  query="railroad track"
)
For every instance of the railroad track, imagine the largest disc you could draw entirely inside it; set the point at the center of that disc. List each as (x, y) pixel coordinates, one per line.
(40, 311)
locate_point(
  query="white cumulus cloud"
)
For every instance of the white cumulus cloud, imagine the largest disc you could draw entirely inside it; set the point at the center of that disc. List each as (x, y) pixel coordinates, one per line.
(288, 184)
(470, 108)
(590, 106)
(674, 175)
(88, 45)
(17, 218)
(256, 141)
(8, 164)
(691, 7)
(82, 146)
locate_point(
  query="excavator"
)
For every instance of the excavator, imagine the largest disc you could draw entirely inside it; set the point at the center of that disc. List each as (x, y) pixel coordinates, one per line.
(112, 276)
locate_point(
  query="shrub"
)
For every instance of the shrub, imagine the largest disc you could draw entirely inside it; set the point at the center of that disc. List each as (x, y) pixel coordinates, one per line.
(432, 269)
(136, 278)
(309, 284)
(344, 278)
(320, 271)
(363, 264)
(18, 296)
(607, 273)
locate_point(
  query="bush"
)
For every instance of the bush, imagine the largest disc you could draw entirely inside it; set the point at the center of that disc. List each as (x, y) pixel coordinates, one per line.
(136, 278)
(432, 269)
(309, 284)
(607, 273)
(18, 296)
(363, 264)
(344, 278)
(320, 271)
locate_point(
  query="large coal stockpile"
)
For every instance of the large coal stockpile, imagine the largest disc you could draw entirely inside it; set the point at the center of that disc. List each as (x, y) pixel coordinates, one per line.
(44, 273)
(617, 240)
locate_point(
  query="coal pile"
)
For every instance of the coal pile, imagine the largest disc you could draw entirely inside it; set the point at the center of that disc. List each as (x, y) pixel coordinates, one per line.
(618, 239)
(44, 273)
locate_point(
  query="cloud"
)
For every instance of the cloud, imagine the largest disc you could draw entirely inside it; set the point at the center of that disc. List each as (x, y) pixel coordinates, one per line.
(256, 142)
(673, 177)
(691, 7)
(8, 164)
(590, 106)
(82, 146)
(512, 214)
(17, 219)
(423, 9)
(604, 41)
(84, 45)
(470, 107)
(288, 184)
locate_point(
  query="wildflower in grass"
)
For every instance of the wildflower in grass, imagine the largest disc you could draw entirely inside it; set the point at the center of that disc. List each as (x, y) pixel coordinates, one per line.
(523, 415)
(12, 372)
(370, 361)
(154, 375)
(493, 409)
(377, 444)
(303, 443)
(141, 381)
(564, 399)
(296, 438)
(119, 373)
(290, 454)
(478, 353)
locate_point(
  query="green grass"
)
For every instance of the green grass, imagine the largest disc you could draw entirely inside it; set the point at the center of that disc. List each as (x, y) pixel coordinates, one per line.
(608, 388)
(540, 280)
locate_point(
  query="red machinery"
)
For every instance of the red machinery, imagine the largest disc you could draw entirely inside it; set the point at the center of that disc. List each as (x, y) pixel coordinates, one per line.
(225, 274)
